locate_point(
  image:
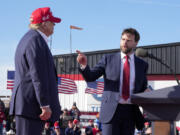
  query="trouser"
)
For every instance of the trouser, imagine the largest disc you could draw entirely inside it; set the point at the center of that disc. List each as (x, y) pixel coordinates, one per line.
(122, 123)
(28, 126)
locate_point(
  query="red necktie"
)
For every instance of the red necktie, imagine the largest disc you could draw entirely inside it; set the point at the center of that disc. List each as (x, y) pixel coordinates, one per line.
(126, 77)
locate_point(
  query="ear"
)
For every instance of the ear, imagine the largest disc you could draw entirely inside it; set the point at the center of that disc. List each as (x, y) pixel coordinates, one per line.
(136, 43)
(44, 24)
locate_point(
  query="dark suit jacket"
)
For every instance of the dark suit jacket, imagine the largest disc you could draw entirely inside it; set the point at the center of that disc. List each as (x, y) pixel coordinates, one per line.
(35, 78)
(109, 66)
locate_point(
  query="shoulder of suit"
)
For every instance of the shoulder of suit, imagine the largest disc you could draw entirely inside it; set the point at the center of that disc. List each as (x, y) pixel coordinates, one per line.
(140, 60)
(109, 55)
(35, 32)
(31, 38)
(32, 35)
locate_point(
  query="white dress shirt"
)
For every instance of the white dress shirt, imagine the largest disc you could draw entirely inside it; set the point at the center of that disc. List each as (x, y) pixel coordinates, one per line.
(44, 36)
(132, 77)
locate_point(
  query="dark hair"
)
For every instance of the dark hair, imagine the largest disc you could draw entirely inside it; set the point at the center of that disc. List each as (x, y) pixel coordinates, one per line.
(133, 32)
(65, 109)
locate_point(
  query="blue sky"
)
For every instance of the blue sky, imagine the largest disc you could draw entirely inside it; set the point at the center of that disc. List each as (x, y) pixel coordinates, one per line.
(102, 21)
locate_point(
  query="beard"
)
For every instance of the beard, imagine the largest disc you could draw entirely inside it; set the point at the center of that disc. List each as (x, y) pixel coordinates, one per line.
(126, 50)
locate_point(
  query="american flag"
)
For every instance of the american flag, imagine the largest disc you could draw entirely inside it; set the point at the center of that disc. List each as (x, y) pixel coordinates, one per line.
(95, 87)
(66, 86)
(10, 79)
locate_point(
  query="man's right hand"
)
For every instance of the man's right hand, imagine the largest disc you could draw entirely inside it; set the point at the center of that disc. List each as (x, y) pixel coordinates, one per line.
(46, 113)
(81, 58)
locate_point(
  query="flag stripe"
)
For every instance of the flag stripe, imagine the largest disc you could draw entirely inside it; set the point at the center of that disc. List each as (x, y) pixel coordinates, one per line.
(9, 88)
(10, 84)
(67, 90)
(94, 91)
(10, 80)
(96, 87)
(66, 86)
(90, 91)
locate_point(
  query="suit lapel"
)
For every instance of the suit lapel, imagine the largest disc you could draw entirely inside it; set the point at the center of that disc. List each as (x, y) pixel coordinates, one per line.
(49, 53)
(137, 71)
(117, 64)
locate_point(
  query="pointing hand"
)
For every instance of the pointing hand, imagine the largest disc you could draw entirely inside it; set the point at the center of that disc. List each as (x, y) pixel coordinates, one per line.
(81, 58)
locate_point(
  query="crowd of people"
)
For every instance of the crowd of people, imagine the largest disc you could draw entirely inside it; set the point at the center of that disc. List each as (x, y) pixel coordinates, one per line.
(69, 123)
(7, 122)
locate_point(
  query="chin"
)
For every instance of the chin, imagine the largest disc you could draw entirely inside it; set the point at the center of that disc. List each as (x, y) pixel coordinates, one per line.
(50, 33)
(126, 51)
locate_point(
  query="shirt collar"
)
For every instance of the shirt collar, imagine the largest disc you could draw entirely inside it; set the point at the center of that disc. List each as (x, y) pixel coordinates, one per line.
(131, 56)
(43, 35)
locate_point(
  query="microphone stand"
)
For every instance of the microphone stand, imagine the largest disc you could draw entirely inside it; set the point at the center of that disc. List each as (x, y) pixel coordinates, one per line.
(172, 127)
(166, 65)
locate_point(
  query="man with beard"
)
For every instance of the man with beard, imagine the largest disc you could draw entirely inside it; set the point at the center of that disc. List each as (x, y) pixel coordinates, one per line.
(124, 74)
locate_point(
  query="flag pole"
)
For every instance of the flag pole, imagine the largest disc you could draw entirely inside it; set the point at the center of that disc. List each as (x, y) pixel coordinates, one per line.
(72, 27)
(70, 40)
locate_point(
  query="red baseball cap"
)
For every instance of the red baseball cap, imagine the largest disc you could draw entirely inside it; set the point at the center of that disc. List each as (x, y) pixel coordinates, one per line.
(56, 124)
(90, 120)
(146, 123)
(43, 15)
(75, 121)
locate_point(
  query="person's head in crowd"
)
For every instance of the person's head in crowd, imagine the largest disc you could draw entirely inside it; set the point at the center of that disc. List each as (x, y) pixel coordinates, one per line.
(91, 123)
(148, 130)
(75, 122)
(65, 111)
(70, 123)
(74, 106)
(43, 20)
(57, 128)
(74, 103)
(97, 115)
(56, 125)
(95, 125)
(47, 125)
(146, 124)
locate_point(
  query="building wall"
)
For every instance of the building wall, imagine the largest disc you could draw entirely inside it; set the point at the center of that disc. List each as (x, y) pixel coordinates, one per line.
(91, 102)
(169, 54)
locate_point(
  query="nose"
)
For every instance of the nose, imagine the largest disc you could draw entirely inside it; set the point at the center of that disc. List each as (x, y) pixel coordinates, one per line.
(125, 41)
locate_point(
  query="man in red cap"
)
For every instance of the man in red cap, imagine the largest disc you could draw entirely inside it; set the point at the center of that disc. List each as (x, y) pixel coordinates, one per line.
(57, 128)
(89, 128)
(35, 95)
